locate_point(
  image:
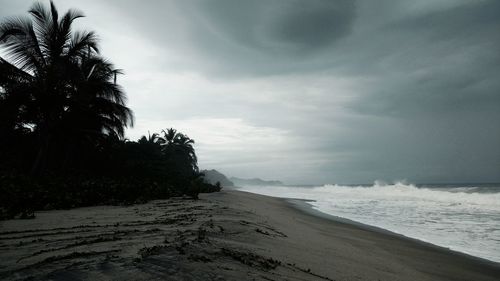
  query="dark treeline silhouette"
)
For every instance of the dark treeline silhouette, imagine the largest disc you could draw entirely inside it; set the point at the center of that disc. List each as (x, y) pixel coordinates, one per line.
(62, 122)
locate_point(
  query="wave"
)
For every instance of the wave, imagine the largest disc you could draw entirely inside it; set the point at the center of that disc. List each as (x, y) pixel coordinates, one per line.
(401, 191)
(462, 218)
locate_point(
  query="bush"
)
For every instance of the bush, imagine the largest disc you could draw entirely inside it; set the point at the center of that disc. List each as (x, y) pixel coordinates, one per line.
(21, 196)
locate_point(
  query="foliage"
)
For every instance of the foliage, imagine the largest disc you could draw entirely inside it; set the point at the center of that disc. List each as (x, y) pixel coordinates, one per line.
(62, 122)
(114, 171)
(55, 83)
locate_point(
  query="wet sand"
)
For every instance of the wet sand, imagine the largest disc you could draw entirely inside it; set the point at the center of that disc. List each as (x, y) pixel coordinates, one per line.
(230, 235)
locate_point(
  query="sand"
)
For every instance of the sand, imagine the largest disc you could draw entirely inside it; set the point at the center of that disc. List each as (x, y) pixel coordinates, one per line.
(230, 235)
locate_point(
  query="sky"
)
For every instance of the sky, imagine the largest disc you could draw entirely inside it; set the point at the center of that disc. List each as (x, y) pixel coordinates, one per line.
(316, 91)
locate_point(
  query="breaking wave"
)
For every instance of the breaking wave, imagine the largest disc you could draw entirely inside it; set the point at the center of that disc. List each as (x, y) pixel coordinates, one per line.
(462, 218)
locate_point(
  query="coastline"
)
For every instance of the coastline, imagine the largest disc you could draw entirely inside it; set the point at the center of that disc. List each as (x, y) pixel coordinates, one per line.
(304, 206)
(403, 258)
(231, 235)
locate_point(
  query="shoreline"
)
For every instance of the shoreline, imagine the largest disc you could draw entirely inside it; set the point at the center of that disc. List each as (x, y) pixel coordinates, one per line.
(443, 255)
(229, 235)
(304, 206)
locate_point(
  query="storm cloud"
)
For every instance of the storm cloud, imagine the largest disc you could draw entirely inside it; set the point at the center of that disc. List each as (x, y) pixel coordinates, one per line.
(318, 91)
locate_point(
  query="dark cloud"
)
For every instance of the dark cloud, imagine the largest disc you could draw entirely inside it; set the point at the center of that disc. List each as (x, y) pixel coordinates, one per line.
(281, 26)
(314, 91)
(252, 38)
(472, 18)
(447, 62)
(315, 24)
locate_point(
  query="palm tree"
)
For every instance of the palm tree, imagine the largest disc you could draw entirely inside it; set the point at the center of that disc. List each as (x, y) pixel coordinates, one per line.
(170, 136)
(185, 144)
(97, 104)
(180, 147)
(55, 82)
(153, 139)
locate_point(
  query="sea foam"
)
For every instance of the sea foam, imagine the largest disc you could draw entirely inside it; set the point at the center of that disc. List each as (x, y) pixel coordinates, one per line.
(462, 218)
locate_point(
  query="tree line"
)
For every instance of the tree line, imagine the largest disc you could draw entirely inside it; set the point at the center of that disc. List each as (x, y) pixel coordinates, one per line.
(62, 122)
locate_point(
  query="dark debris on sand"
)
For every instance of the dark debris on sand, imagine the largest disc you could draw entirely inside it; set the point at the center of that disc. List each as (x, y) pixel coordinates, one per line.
(176, 240)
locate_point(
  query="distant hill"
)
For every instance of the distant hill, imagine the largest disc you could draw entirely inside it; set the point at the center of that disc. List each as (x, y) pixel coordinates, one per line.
(213, 176)
(254, 181)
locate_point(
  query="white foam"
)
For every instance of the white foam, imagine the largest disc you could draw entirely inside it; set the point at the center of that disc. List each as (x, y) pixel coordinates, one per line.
(464, 219)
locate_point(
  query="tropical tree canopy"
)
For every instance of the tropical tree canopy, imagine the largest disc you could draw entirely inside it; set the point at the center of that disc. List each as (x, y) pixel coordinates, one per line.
(62, 122)
(180, 147)
(54, 82)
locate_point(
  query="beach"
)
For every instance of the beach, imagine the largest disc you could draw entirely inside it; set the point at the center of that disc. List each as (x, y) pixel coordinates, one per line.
(229, 235)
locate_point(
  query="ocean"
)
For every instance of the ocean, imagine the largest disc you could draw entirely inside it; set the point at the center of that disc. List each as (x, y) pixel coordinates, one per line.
(463, 218)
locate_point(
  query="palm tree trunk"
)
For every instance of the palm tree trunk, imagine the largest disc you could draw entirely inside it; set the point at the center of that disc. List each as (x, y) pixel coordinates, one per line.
(69, 155)
(41, 158)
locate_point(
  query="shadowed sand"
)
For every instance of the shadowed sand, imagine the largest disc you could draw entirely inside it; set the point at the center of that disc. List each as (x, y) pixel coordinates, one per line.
(230, 235)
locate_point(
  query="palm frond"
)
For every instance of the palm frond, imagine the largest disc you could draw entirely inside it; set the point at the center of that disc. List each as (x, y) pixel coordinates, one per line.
(10, 75)
(43, 26)
(20, 43)
(66, 22)
(82, 44)
(59, 77)
(54, 13)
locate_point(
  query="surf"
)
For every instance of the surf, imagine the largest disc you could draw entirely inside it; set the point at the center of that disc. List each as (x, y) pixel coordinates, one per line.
(464, 218)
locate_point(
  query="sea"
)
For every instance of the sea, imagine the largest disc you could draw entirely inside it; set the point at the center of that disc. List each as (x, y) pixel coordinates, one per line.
(461, 217)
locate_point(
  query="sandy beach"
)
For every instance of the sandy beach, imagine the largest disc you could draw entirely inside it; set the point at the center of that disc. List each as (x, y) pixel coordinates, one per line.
(230, 235)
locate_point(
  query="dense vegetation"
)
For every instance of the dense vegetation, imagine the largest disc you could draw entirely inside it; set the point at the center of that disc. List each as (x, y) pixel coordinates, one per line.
(62, 122)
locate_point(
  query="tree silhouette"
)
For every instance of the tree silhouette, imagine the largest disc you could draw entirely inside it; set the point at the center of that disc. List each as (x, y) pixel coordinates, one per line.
(180, 147)
(180, 158)
(62, 121)
(154, 140)
(53, 82)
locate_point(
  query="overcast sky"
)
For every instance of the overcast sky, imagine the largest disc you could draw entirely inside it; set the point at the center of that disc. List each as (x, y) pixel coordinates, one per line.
(312, 91)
